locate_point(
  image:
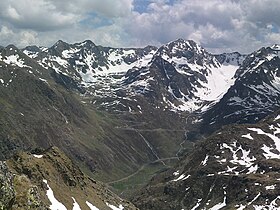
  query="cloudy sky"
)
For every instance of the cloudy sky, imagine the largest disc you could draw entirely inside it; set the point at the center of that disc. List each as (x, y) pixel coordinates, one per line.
(218, 25)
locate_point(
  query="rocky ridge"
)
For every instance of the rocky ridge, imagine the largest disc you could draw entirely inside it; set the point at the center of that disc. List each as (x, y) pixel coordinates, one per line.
(50, 180)
(235, 168)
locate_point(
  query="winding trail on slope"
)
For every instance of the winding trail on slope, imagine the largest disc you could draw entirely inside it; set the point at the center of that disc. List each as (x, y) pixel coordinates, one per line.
(152, 149)
(152, 130)
(140, 169)
(149, 145)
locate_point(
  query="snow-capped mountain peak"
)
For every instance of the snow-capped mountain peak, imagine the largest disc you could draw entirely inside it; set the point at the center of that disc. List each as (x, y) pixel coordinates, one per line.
(183, 50)
(275, 47)
(191, 77)
(181, 73)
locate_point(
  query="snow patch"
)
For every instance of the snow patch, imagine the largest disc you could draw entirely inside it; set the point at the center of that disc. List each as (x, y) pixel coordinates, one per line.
(219, 80)
(197, 204)
(92, 207)
(271, 187)
(69, 53)
(76, 206)
(37, 156)
(253, 169)
(30, 54)
(267, 150)
(241, 207)
(205, 160)
(277, 118)
(248, 136)
(14, 60)
(55, 204)
(114, 207)
(244, 160)
(44, 80)
(176, 173)
(219, 205)
(60, 61)
(254, 199)
(181, 177)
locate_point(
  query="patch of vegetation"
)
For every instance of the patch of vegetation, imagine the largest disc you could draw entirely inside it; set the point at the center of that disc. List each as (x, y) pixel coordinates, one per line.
(127, 187)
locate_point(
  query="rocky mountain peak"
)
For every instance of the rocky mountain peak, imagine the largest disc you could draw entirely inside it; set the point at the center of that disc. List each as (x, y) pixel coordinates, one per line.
(33, 48)
(87, 44)
(60, 44)
(275, 47)
(10, 50)
(59, 47)
(181, 48)
(11, 47)
(150, 48)
(256, 60)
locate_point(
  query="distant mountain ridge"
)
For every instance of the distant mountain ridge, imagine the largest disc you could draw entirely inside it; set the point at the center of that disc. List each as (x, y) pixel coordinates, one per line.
(188, 72)
(180, 76)
(117, 110)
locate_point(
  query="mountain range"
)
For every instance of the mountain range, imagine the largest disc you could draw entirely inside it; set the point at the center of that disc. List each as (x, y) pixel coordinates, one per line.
(175, 108)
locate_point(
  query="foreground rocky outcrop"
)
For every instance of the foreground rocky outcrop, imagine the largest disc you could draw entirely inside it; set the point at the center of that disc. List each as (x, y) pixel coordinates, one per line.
(50, 180)
(7, 192)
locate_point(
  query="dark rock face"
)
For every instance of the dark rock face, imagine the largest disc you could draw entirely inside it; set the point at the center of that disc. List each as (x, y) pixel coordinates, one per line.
(236, 167)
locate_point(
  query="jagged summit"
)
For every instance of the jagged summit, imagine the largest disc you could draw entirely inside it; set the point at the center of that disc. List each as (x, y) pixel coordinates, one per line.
(60, 43)
(11, 47)
(275, 47)
(191, 73)
(181, 48)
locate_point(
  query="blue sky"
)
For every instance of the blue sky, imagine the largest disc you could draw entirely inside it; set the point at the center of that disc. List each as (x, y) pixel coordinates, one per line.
(218, 25)
(141, 5)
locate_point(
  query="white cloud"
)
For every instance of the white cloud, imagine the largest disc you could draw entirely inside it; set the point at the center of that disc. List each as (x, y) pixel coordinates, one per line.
(12, 13)
(107, 8)
(38, 15)
(45, 15)
(219, 25)
(22, 38)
